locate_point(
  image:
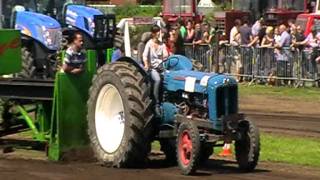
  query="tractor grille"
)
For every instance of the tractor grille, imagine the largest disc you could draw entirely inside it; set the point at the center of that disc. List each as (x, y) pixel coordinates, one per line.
(227, 100)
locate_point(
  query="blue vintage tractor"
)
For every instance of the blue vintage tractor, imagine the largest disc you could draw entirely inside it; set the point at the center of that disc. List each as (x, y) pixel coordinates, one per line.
(41, 37)
(199, 111)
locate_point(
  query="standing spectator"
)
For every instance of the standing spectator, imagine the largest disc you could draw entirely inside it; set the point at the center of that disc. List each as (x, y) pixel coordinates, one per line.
(311, 41)
(245, 32)
(190, 32)
(268, 40)
(283, 54)
(257, 27)
(209, 34)
(285, 38)
(182, 29)
(179, 41)
(169, 40)
(205, 33)
(258, 32)
(292, 26)
(197, 34)
(235, 34)
(265, 58)
(300, 36)
(276, 35)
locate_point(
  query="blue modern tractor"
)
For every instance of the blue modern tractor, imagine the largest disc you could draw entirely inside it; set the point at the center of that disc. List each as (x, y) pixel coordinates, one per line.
(97, 28)
(199, 112)
(41, 36)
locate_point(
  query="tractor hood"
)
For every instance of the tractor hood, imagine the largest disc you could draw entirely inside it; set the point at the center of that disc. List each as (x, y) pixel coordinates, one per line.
(37, 19)
(193, 81)
(82, 17)
(41, 28)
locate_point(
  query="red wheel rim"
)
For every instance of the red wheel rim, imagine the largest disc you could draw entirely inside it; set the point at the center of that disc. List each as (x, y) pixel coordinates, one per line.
(185, 148)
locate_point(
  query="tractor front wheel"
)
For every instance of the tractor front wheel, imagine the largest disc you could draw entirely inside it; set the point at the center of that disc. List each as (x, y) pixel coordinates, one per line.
(248, 147)
(28, 66)
(188, 148)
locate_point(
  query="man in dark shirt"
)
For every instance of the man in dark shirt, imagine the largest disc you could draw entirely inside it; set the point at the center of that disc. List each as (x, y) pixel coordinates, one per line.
(245, 32)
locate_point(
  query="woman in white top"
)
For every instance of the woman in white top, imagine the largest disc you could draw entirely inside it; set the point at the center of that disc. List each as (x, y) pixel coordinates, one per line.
(154, 53)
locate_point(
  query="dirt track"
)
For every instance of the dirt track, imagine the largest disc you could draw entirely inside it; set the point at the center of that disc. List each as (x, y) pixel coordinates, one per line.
(283, 116)
(271, 115)
(21, 169)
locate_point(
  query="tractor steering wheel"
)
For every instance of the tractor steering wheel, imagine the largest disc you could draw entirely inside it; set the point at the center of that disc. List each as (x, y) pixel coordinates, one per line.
(167, 64)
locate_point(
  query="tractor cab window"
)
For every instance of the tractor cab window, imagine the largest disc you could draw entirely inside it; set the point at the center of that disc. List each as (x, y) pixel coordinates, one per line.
(296, 5)
(8, 7)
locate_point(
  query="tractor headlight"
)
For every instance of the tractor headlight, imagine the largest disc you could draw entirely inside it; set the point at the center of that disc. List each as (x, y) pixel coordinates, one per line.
(51, 37)
(91, 25)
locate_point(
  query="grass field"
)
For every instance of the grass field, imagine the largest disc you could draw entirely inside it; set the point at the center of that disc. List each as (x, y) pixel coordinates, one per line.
(307, 94)
(275, 148)
(302, 151)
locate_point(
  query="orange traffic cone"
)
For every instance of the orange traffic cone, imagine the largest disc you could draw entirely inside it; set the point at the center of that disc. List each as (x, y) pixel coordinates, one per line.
(226, 150)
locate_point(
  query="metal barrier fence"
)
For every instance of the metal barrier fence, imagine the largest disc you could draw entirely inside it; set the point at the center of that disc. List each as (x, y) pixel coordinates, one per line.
(202, 53)
(262, 64)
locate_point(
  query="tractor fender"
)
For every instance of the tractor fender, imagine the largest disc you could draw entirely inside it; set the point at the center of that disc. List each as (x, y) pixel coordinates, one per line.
(135, 63)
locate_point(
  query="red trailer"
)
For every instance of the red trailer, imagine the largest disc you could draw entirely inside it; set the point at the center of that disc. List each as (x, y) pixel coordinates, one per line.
(224, 20)
(280, 11)
(184, 9)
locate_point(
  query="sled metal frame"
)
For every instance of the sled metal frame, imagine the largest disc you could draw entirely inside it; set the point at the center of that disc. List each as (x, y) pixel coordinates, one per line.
(59, 118)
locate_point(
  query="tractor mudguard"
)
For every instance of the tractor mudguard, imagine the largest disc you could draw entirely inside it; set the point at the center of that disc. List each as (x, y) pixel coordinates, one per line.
(135, 63)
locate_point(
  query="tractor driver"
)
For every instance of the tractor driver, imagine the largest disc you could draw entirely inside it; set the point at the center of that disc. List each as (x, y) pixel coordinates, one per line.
(75, 57)
(154, 53)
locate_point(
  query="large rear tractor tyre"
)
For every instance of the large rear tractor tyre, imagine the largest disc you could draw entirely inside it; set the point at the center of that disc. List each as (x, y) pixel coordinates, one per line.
(120, 115)
(28, 67)
(188, 148)
(248, 147)
(168, 147)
